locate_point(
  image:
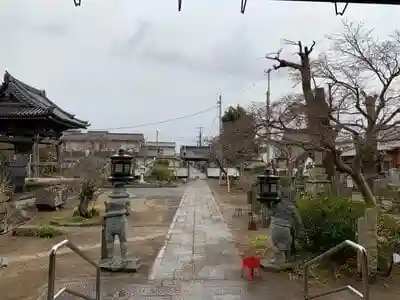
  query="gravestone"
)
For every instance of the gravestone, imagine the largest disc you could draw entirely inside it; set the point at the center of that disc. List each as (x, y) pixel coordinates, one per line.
(318, 184)
(394, 175)
(368, 238)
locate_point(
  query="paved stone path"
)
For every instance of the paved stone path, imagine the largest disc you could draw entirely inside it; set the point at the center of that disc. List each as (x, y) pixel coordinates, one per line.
(198, 261)
(199, 257)
(199, 246)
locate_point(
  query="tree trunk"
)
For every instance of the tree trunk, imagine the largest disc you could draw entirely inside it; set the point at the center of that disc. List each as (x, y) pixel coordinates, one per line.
(364, 189)
(329, 165)
(83, 206)
(370, 153)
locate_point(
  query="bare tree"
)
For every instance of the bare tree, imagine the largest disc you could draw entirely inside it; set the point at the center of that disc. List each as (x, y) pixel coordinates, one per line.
(91, 172)
(359, 112)
(238, 137)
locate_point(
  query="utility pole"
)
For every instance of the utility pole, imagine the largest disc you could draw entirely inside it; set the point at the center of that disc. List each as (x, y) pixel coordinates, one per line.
(200, 140)
(219, 103)
(157, 137)
(267, 114)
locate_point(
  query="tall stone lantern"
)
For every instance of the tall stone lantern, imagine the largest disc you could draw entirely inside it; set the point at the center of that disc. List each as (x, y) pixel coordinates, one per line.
(115, 223)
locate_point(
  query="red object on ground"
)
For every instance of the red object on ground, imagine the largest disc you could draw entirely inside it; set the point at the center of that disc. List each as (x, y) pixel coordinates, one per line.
(251, 263)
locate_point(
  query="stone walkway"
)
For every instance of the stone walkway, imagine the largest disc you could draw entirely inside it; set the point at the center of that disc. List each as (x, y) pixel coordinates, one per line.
(198, 261)
(199, 258)
(199, 246)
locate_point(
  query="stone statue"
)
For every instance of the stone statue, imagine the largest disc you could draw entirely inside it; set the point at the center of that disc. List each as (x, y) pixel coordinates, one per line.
(117, 208)
(285, 226)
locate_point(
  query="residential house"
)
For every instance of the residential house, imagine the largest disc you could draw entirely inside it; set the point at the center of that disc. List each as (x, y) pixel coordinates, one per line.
(388, 146)
(77, 144)
(149, 151)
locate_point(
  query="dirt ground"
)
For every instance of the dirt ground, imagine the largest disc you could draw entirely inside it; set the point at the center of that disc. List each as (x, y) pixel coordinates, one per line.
(387, 288)
(26, 275)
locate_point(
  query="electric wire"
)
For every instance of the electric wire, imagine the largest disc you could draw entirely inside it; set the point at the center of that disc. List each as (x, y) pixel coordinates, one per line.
(248, 87)
(159, 122)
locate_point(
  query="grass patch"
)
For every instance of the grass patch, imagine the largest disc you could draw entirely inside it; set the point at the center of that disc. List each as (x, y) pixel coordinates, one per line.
(42, 231)
(73, 220)
(47, 232)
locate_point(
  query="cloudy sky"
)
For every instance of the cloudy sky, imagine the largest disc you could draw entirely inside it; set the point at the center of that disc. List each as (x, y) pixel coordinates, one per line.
(129, 62)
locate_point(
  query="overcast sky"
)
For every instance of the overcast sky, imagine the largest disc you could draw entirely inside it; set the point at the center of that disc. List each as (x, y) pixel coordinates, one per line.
(128, 62)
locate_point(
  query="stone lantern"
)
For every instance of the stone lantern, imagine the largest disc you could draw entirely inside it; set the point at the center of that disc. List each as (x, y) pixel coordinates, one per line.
(115, 223)
(121, 168)
(268, 185)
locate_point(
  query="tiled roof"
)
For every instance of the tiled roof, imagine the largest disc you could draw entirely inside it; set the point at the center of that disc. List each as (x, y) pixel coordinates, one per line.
(102, 135)
(195, 153)
(161, 144)
(22, 111)
(33, 101)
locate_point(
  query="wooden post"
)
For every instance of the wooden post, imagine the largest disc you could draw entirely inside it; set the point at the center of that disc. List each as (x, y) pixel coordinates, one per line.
(59, 158)
(35, 156)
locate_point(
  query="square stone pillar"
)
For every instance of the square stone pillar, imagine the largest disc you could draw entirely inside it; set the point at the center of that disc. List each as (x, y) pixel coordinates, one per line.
(368, 238)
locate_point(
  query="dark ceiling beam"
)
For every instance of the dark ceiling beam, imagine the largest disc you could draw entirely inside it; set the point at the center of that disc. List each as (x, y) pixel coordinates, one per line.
(243, 3)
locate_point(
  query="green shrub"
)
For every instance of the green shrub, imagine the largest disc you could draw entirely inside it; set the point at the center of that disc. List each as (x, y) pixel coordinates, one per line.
(328, 221)
(388, 239)
(161, 173)
(163, 162)
(45, 231)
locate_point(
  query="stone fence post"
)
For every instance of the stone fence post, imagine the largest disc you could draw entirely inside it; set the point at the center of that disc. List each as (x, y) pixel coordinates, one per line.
(368, 238)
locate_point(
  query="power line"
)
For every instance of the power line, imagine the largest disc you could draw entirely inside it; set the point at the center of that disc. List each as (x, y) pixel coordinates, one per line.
(161, 122)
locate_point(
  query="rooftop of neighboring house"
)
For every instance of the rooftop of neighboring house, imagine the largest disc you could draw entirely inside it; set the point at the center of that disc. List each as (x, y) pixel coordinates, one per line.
(154, 149)
(160, 144)
(195, 152)
(77, 135)
(387, 139)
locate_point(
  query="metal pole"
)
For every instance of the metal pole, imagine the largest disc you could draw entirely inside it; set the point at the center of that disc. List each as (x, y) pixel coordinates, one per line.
(98, 285)
(267, 113)
(200, 136)
(51, 276)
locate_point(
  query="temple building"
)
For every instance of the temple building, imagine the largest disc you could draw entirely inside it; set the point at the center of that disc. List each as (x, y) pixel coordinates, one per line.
(29, 118)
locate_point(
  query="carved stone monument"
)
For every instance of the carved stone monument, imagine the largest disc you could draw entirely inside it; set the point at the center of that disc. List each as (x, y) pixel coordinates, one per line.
(285, 226)
(141, 180)
(115, 223)
(317, 183)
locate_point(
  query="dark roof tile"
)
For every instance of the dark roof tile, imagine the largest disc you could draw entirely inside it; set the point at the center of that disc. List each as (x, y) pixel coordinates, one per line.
(35, 98)
(18, 111)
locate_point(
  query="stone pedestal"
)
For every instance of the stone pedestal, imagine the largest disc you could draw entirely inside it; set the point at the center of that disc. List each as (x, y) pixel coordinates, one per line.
(273, 267)
(130, 265)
